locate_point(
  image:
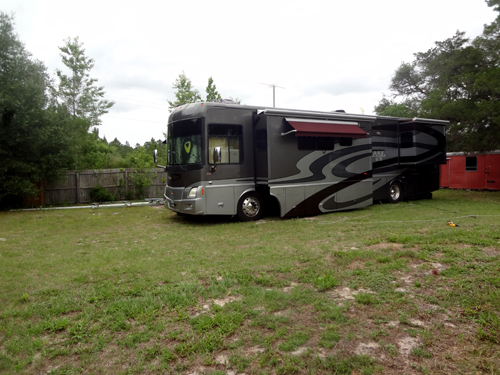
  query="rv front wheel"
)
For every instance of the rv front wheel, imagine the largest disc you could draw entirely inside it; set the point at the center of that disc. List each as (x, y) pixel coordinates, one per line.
(395, 192)
(250, 207)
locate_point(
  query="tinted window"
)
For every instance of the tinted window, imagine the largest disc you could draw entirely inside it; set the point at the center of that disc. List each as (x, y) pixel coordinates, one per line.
(406, 140)
(316, 143)
(184, 142)
(344, 141)
(229, 139)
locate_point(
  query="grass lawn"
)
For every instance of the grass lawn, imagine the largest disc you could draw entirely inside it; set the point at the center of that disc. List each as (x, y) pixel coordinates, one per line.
(389, 289)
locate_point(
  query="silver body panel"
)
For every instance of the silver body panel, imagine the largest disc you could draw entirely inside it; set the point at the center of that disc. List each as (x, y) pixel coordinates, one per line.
(212, 197)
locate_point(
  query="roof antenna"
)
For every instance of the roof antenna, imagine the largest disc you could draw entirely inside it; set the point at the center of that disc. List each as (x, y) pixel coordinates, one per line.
(274, 89)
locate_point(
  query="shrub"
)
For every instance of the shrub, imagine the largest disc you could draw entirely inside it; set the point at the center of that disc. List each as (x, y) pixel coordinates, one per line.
(100, 194)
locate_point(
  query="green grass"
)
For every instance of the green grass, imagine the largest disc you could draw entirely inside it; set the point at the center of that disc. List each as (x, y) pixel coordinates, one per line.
(143, 291)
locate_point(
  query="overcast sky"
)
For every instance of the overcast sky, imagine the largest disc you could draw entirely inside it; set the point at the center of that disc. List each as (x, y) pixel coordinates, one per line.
(326, 55)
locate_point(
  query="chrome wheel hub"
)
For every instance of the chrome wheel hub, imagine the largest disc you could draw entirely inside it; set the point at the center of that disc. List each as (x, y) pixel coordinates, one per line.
(395, 192)
(250, 207)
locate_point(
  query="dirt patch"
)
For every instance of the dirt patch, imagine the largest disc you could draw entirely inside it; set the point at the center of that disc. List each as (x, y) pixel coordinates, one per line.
(402, 290)
(407, 279)
(438, 266)
(346, 293)
(491, 252)
(417, 323)
(287, 289)
(369, 349)
(222, 359)
(356, 265)
(198, 371)
(385, 246)
(407, 344)
(285, 313)
(254, 350)
(300, 350)
(221, 302)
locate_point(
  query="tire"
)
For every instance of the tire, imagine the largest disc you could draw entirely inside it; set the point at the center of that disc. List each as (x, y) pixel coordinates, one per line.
(395, 192)
(250, 207)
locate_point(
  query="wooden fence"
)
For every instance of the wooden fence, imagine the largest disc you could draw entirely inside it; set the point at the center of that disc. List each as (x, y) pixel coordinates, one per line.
(75, 187)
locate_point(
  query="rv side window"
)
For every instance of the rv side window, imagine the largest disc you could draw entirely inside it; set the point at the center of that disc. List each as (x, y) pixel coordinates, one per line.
(229, 139)
(316, 143)
(471, 163)
(344, 141)
(407, 140)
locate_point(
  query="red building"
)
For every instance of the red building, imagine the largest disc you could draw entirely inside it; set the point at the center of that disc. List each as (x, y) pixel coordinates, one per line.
(471, 171)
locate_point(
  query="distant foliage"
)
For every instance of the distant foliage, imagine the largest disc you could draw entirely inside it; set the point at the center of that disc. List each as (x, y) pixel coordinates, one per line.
(456, 80)
(184, 92)
(211, 90)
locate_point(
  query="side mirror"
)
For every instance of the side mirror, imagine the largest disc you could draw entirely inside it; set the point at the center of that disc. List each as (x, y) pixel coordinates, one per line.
(155, 156)
(216, 157)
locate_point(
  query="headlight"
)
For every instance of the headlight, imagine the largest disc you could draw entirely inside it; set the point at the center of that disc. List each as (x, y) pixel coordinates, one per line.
(192, 192)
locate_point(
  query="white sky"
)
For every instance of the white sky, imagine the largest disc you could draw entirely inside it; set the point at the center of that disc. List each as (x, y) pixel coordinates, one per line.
(327, 54)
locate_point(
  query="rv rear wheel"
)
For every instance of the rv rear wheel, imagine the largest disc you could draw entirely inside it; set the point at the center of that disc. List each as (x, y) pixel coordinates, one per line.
(395, 192)
(250, 207)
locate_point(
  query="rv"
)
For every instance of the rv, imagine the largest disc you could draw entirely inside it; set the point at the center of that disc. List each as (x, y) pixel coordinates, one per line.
(229, 159)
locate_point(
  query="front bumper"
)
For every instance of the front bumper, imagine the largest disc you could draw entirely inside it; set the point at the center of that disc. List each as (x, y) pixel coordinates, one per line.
(175, 201)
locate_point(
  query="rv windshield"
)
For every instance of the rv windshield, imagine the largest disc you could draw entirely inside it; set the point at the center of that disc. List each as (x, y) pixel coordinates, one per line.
(184, 142)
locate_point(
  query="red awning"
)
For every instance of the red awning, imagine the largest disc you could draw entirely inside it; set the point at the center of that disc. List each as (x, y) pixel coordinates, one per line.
(323, 128)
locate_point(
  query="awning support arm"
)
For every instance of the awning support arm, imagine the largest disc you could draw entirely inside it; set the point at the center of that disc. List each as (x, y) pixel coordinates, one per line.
(291, 131)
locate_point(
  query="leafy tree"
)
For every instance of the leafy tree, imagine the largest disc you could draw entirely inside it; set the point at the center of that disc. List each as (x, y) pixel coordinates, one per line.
(94, 152)
(118, 154)
(184, 92)
(84, 100)
(77, 91)
(34, 142)
(211, 90)
(141, 160)
(495, 4)
(457, 80)
(388, 107)
(159, 147)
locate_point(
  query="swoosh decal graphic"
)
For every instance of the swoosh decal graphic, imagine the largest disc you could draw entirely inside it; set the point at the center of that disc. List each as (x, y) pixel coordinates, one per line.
(315, 169)
(311, 204)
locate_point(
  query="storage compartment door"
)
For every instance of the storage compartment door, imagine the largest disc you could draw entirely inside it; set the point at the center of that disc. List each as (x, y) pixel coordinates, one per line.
(220, 200)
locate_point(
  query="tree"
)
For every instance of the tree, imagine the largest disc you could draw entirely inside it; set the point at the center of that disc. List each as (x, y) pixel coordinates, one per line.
(457, 80)
(184, 92)
(84, 100)
(388, 107)
(211, 90)
(77, 91)
(93, 152)
(34, 142)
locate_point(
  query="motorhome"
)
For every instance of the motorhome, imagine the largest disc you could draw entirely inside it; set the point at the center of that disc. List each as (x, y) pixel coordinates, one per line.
(231, 159)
